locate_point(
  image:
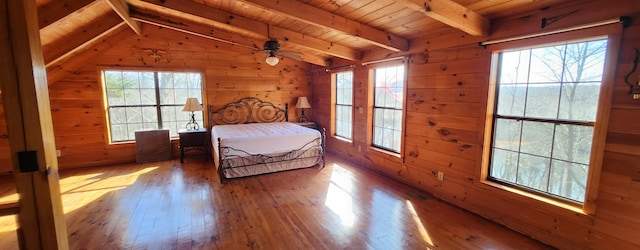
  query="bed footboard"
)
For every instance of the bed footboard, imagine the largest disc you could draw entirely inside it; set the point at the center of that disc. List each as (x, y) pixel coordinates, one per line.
(237, 162)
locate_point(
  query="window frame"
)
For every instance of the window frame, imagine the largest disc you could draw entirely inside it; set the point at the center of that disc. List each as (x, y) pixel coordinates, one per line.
(334, 105)
(372, 106)
(613, 34)
(158, 105)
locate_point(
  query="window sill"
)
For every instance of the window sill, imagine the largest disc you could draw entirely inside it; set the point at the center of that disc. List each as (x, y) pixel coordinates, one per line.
(532, 200)
(342, 139)
(397, 155)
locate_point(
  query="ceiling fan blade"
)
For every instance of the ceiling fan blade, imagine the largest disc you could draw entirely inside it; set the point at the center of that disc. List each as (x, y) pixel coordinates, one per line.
(291, 55)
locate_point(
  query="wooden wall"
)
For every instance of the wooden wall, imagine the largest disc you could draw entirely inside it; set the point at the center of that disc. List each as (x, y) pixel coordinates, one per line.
(5, 154)
(230, 73)
(448, 78)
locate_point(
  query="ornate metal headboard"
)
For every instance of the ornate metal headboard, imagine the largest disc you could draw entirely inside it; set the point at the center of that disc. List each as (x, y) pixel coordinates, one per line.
(248, 110)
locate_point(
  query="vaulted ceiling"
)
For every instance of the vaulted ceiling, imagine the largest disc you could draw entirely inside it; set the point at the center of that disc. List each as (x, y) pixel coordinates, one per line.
(317, 29)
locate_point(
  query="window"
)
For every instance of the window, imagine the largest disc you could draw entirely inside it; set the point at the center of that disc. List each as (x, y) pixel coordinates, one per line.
(344, 104)
(388, 98)
(544, 118)
(138, 100)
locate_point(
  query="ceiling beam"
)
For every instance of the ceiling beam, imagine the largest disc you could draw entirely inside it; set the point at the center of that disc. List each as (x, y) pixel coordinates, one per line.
(120, 7)
(252, 28)
(59, 9)
(452, 14)
(209, 32)
(69, 65)
(80, 38)
(319, 17)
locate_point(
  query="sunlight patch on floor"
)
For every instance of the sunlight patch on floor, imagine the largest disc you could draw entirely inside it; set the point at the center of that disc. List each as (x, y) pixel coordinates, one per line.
(421, 229)
(338, 197)
(80, 190)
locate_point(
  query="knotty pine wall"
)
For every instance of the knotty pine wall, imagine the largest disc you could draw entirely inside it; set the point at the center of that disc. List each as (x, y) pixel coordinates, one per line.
(5, 154)
(230, 73)
(448, 78)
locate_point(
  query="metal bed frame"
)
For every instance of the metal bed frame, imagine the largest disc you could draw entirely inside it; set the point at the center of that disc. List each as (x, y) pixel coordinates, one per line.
(254, 110)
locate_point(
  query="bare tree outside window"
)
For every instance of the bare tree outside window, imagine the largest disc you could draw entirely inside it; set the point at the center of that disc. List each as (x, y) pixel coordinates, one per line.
(344, 104)
(387, 107)
(546, 108)
(139, 100)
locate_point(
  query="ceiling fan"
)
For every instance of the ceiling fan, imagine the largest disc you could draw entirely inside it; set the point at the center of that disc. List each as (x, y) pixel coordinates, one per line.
(272, 48)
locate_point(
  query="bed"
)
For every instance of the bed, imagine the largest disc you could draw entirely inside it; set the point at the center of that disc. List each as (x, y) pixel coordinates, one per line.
(252, 137)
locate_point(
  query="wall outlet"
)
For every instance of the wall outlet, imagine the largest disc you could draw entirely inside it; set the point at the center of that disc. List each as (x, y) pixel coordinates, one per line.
(58, 152)
(359, 148)
(440, 176)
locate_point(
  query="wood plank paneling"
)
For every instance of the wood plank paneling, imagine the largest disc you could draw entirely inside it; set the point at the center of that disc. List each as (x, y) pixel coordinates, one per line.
(229, 74)
(448, 80)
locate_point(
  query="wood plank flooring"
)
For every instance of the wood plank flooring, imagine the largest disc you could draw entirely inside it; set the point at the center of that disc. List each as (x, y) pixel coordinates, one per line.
(168, 205)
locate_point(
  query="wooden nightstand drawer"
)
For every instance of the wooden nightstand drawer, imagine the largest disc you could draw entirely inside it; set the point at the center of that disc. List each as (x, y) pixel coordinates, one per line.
(193, 139)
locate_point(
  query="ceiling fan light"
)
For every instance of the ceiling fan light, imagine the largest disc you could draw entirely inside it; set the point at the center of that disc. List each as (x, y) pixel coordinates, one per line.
(272, 60)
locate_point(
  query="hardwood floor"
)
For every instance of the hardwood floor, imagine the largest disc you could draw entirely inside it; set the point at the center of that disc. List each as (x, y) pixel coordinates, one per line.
(168, 205)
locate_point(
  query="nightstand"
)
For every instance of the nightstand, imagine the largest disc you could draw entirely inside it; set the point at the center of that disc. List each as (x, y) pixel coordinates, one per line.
(193, 139)
(307, 124)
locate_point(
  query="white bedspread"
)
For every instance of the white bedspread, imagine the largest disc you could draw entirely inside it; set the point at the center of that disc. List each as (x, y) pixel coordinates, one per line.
(263, 138)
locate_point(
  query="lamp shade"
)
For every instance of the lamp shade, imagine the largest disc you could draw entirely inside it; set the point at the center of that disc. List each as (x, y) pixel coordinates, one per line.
(303, 103)
(272, 60)
(192, 105)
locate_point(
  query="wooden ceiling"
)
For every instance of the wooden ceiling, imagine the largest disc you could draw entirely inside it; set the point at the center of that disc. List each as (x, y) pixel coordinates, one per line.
(317, 29)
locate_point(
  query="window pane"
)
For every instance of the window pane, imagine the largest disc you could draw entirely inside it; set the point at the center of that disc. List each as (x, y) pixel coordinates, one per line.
(181, 96)
(546, 116)
(115, 96)
(573, 143)
(131, 79)
(169, 113)
(131, 130)
(166, 80)
(542, 100)
(536, 138)
(388, 119)
(585, 61)
(167, 96)
(533, 171)
(195, 81)
(579, 101)
(147, 80)
(138, 91)
(568, 179)
(180, 81)
(507, 134)
(343, 121)
(504, 165)
(511, 98)
(132, 97)
(147, 96)
(396, 140)
(119, 132)
(388, 104)
(149, 115)
(546, 64)
(134, 115)
(514, 67)
(117, 115)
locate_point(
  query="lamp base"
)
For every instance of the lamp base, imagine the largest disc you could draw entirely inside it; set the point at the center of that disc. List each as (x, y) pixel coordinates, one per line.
(303, 118)
(192, 125)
